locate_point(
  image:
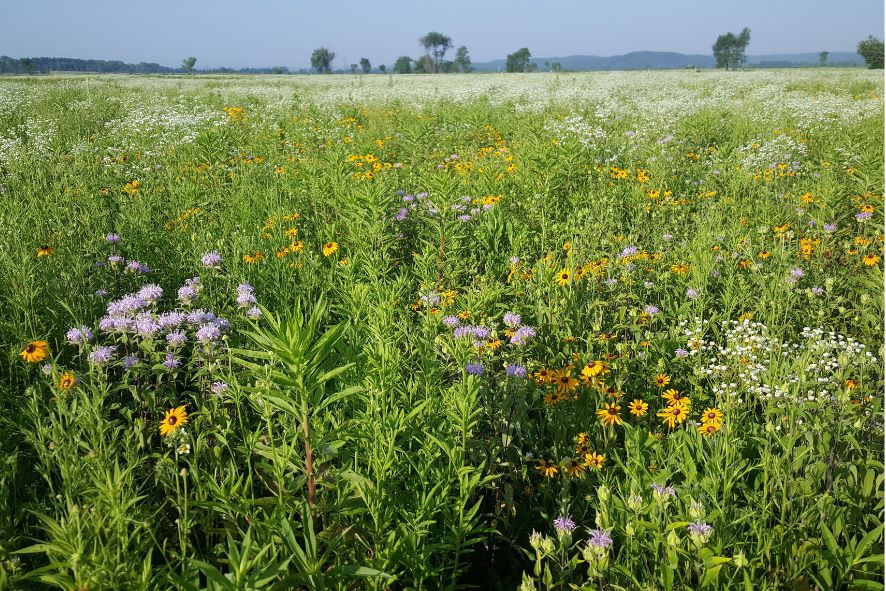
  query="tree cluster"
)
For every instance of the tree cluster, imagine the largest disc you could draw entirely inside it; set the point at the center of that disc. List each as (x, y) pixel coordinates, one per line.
(729, 49)
(871, 50)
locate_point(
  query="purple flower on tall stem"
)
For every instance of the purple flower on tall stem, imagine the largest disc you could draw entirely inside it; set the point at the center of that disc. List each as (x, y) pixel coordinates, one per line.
(564, 525)
(600, 539)
(211, 259)
(474, 369)
(516, 371)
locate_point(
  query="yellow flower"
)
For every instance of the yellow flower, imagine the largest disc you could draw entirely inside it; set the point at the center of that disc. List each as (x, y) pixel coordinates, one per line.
(672, 415)
(564, 381)
(608, 415)
(131, 188)
(680, 269)
(871, 259)
(329, 248)
(709, 428)
(45, 251)
(595, 460)
(66, 381)
(595, 368)
(562, 278)
(542, 375)
(851, 384)
(674, 398)
(297, 246)
(576, 469)
(35, 352)
(175, 418)
(711, 415)
(662, 380)
(547, 468)
(638, 407)
(763, 255)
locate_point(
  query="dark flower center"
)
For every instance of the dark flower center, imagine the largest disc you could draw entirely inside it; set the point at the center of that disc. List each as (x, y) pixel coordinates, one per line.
(172, 420)
(31, 348)
(676, 412)
(612, 411)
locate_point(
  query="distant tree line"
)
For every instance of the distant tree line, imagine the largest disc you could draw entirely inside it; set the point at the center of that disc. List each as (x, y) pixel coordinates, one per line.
(45, 65)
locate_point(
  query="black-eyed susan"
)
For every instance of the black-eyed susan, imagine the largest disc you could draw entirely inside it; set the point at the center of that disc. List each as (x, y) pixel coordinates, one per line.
(563, 380)
(675, 398)
(45, 251)
(576, 469)
(563, 276)
(763, 255)
(672, 415)
(609, 414)
(67, 381)
(712, 415)
(662, 380)
(35, 352)
(542, 375)
(547, 468)
(709, 429)
(638, 407)
(851, 384)
(871, 259)
(330, 248)
(595, 460)
(175, 418)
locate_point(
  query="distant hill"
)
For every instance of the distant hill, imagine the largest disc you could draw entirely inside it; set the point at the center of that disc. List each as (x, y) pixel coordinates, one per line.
(657, 60)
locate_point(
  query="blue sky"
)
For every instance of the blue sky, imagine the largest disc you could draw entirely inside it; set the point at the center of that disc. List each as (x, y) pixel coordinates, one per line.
(265, 33)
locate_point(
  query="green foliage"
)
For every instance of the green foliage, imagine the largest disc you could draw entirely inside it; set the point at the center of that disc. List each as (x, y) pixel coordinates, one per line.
(871, 49)
(365, 66)
(729, 49)
(321, 60)
(437, 44)
(519, 61)
(403, 65)
(188, 64)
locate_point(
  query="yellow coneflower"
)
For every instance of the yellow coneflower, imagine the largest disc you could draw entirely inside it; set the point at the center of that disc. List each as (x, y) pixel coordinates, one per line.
(66, 381)
(871, 259)
(563, 380)
(709, 429)
(672, 415)
(851, 384)
(638, 407)
(175, 418)
(763, 255)
(576, 469)
(608, 415)
(547, 468)
(35, 352)
(329, 248)
(542, 375)
(711, 415)
(662, 380)
(297, 246)
(45, 251)
(595, 460)
(562, 278)
(674, 398)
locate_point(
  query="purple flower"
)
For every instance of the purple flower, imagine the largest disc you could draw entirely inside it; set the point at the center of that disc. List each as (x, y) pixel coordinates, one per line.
(600, 539)
(101, 292)
(128, 304)
(797, 273)
(208, 333)
(691, 294)
(169, 320)
(522, 334)
(681, 352)
(186, 294)
(564, 525)
(514, 260)
(480, 332)
(146, 326)
(817, 290)
(211, 260)
(401, 215)
(176, 338)
(199, 316)
(114, 259)
(151, 293)
(700, 528)
(219, 387)
(461, 332)
(464, 218)
(651, 310)
(511, 319)
(516, 371)
(474, 369)
(244, 288)
(664, 491)
(133, 266)
(101, 355)
(451, 321)
(830, 227)
(628, 251)
(254, 312)
(130, 361)
(79, 335)
(245, 300)
(46, 369)
(112, 238)
(171, 361)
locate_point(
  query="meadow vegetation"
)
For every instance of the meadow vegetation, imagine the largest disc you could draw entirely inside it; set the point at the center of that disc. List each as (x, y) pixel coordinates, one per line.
(585, 331)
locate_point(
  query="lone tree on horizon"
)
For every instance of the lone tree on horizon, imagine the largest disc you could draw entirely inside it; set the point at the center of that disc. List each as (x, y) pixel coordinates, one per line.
(871, 49)
(437, 44)
(321, 60)
(729, 49)
(188, 64)
(519, 61)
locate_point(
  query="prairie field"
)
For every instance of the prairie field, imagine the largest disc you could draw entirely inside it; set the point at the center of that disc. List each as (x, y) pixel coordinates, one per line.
(499, 331)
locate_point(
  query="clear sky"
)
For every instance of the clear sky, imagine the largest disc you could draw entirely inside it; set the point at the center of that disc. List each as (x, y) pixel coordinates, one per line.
(264, 33)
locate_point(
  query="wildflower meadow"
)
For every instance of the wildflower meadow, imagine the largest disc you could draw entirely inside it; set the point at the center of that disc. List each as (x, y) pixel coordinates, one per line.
(551, 331)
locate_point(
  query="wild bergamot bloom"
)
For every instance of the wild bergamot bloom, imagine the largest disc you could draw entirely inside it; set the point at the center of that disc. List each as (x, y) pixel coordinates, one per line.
(638, 407)
(175, 418)
(329, 248)
(711, 415)
(662, 380)
(562, 278)
(595, 460)
(547, 468)
(608, 415)
(672, 415)
(66, 381)
(35, 352)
